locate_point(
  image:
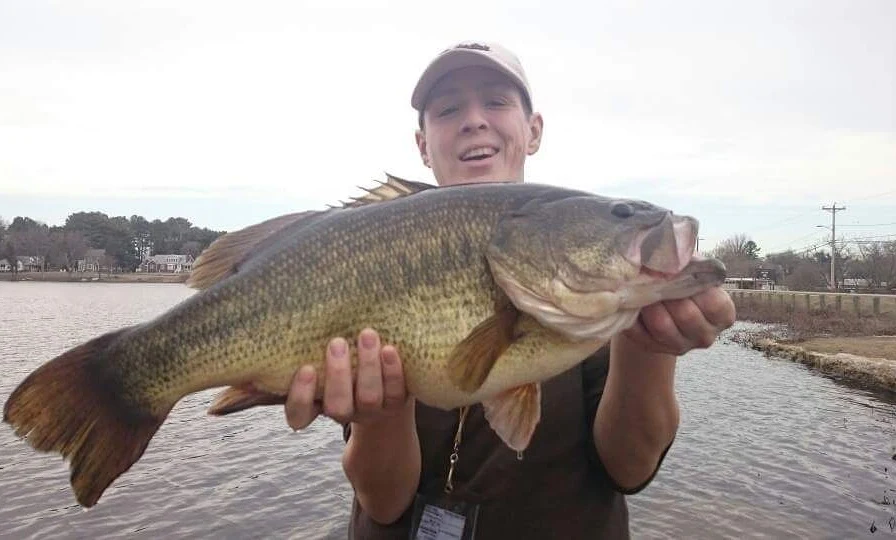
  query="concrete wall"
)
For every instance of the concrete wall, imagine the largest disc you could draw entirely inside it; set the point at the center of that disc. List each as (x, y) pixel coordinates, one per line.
(864, 304)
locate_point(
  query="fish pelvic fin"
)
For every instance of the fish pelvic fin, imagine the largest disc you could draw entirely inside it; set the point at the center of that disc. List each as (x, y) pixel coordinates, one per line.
(514, 414)
(240, 398)
(72, 406)
(224, 257)
(473, 358)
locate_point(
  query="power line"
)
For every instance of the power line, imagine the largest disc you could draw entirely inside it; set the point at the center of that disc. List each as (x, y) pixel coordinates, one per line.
(867, 225)
(795, 240)
(874, 196)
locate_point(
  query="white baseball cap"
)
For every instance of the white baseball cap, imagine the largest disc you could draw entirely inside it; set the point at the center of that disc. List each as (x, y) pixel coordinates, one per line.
(466, 54)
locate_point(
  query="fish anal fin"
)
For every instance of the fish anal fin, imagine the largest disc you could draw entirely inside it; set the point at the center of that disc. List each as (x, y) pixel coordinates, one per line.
(393, 188)
(240, 398)
(75, 406)
(226, 254)
(473, 358)
(514, 414)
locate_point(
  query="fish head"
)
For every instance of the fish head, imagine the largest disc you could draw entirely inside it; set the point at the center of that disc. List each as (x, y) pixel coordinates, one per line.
(585, 265)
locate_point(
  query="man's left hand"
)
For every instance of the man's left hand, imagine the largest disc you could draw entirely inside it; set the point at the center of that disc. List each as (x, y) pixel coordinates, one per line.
(678, 326)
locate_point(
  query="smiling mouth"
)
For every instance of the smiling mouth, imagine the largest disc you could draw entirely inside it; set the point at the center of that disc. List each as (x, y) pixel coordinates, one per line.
(478, 153)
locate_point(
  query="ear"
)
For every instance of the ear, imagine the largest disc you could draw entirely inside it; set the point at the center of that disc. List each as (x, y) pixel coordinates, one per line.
(536, 128)
(421, 146)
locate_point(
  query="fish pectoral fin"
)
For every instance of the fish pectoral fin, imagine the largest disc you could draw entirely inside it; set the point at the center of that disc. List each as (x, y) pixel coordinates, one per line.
(240, 398)
(473, 358)
(514, 414)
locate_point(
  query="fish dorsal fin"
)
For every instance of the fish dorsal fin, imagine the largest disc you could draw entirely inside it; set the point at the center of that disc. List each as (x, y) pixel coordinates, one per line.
(393, 188)
(473, 358)
(225, 255)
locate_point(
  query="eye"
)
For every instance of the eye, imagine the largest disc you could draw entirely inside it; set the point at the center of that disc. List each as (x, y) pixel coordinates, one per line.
(622, 210)
(447, 110)
(497, 101)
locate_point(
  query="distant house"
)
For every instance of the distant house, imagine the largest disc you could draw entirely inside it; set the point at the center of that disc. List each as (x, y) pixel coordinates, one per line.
(167, 263)
(24, 263)
(30, 263)
(92, 261)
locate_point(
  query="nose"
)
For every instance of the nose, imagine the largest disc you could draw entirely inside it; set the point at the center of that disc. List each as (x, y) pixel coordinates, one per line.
(474, 119)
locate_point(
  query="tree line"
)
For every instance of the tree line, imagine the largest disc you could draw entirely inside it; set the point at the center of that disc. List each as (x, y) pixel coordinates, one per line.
(871, 263)
(126, 241)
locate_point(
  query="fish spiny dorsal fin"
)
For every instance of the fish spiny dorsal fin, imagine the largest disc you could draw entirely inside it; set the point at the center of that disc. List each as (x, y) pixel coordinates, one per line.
(225, 255)
(393, 188)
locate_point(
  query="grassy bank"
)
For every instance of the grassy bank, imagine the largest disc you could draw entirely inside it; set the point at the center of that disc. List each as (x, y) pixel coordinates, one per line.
(93, 277)
(861, 348)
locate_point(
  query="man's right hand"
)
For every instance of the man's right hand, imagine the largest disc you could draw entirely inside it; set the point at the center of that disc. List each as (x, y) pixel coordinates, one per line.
(382, 457)
(378, 393)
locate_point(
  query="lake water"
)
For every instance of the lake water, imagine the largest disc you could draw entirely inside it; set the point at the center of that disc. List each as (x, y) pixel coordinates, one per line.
(766, 448)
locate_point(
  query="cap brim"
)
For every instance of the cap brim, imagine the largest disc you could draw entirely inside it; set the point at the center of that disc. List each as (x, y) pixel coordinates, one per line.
(456, 59)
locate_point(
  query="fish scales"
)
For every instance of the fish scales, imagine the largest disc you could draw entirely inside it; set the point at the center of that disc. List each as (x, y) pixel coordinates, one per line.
(338, 275)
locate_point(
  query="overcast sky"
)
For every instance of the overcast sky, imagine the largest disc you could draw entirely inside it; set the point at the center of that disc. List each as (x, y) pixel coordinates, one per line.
(747, 115)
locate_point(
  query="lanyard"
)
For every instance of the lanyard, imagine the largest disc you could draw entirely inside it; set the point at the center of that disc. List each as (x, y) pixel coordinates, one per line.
(452, 459)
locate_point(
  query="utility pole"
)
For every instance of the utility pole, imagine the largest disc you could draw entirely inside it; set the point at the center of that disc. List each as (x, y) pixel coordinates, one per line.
(833, 209)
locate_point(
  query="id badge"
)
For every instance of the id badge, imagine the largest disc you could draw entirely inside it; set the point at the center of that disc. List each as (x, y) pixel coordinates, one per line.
(436, 517)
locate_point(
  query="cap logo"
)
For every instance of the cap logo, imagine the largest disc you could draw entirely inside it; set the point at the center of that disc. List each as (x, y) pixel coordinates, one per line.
(474, 46)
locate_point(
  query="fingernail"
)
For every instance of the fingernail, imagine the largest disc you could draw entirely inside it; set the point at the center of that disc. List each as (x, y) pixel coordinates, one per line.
(306, 374)
(368, 340)
(338, 347)
(389, 357)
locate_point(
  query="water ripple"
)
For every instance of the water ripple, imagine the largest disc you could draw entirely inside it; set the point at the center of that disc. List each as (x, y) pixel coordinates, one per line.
(767, 448)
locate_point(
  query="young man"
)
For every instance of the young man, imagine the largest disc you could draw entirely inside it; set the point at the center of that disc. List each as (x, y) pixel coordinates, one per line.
(606, 424)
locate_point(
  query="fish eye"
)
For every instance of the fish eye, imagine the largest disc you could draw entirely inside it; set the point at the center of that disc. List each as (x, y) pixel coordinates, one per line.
(622, 210)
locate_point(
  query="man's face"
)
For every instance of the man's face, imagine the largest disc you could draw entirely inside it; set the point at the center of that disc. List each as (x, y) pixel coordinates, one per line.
(476, 129)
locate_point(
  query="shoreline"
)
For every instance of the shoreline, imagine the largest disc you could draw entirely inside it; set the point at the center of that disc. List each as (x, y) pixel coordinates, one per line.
(93, 277)
(878, 373)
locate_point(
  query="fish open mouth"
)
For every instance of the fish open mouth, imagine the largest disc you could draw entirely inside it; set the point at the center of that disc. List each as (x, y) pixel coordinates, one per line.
(655, 274)
(653, 286)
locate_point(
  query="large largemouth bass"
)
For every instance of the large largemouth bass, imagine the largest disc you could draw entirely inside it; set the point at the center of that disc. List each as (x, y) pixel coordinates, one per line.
(486, 290)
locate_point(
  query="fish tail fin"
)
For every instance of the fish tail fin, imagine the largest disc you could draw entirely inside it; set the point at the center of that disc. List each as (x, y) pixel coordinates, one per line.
(75, 405)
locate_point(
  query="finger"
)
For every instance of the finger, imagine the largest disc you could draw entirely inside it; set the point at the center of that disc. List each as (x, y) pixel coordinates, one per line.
(301, 409)
(369, 390)
(338, 398)
(662, 329)
(394, 387)
(692, 324)
(717, 306)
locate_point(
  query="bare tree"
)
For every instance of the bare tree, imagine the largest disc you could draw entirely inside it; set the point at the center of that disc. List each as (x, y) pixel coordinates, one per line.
(739, 253)
(66, 248)
(192, 247)
(807, 275)
(9, 250)
(876, 263)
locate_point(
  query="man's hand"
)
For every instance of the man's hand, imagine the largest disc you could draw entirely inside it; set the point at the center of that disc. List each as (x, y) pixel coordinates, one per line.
(378, 392)
(678, 326)
(638, 414)
(382, 457)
